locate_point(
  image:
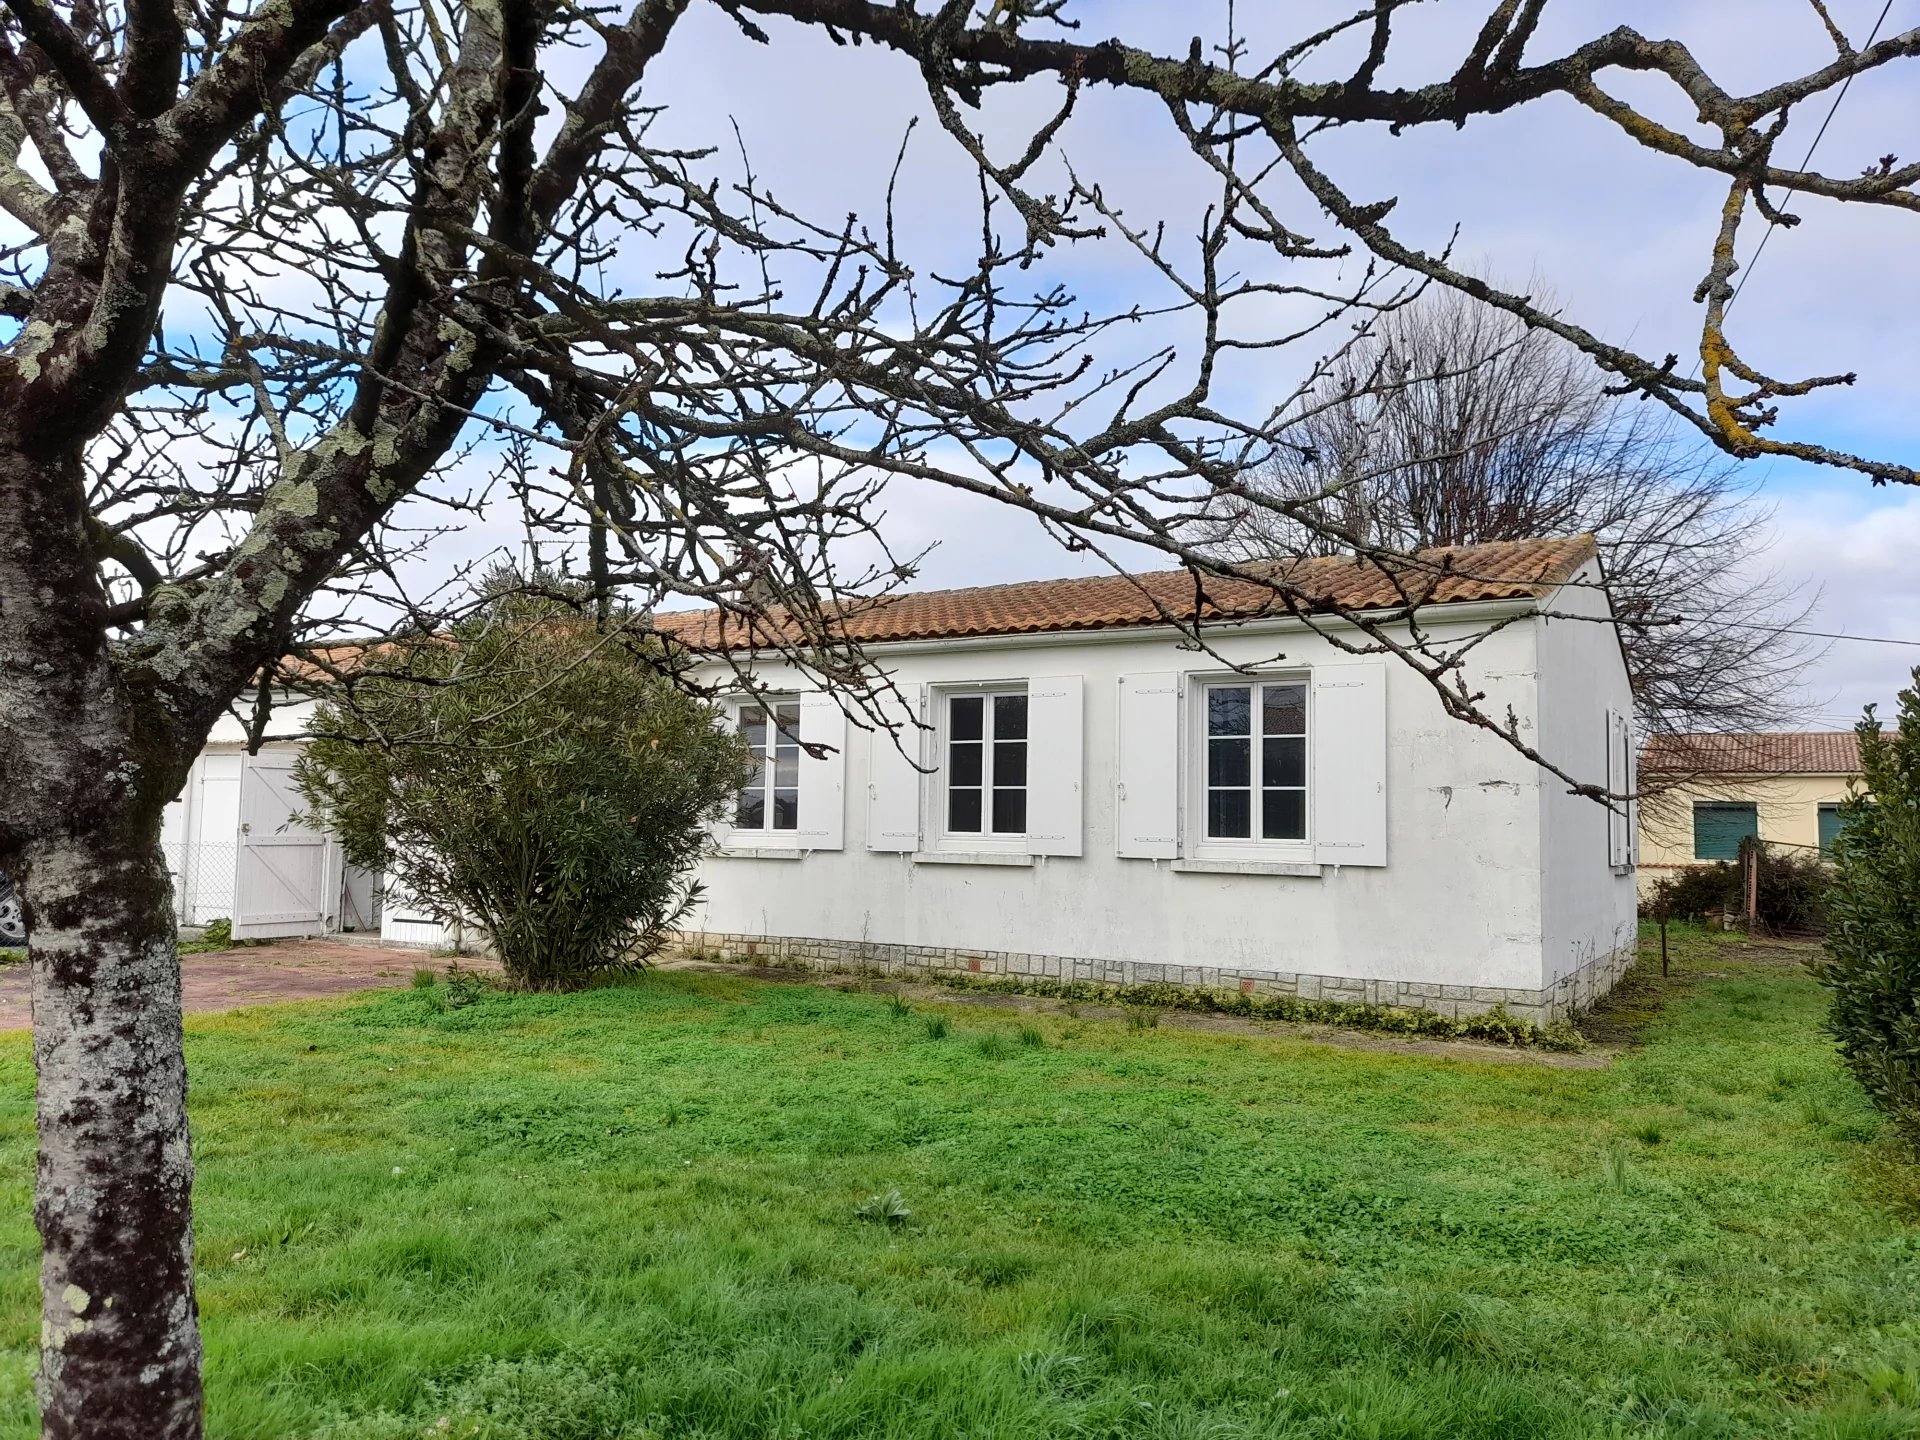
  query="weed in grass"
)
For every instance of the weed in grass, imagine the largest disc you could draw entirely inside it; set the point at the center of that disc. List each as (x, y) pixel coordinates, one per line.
(1032, 1038)
(936, 1026)
(898, 1007)
(1649, 1135)
(888, 1207)
(1890, 1386)
(1618, 1168)
(994, 1045)
(1143, 1017)
(464, 988)
(424, 978)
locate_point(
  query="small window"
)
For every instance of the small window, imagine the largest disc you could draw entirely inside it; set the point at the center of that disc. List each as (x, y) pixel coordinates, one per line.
(1720, 825)
(771, 799)
(1256, 761)
(986, 763)
(1832, 822)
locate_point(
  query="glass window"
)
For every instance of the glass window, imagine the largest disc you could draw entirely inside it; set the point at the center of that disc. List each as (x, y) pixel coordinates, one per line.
(771, 799)
(1256, 761)
(1720, 825)
(986, 767)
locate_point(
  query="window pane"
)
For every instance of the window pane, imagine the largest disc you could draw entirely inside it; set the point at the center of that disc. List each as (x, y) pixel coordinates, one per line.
(753, 726)
(786, 809)
(1283, 814)
(786, 769)
(1229, 815)
(963, 811)
(1010, 762)
(1009, 812)
(787, 715)
(751, 813)
(964, 717)
(1229, 762)
(1285, 710)
(1285, 762)
(1009, 717)
(1229, 710)
(963, 763)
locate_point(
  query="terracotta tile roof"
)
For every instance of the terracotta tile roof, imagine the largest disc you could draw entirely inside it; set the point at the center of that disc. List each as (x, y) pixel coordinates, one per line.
(1816, 753)
(1504, 570)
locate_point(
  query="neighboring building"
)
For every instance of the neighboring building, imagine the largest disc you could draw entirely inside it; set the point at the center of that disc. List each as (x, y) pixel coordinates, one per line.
(1092, 798)
(1784, 789)
(239, 851)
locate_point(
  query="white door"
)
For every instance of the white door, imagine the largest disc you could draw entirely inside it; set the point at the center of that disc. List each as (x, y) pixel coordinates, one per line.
(285, 866)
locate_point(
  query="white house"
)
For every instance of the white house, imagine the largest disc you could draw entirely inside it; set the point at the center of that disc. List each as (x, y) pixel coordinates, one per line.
(1083, 797)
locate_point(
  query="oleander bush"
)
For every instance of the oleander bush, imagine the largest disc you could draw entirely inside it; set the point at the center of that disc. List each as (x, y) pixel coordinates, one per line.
(532, 772)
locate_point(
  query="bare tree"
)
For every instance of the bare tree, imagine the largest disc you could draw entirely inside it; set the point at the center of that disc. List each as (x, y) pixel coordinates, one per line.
(1453, 423)
(288, 276)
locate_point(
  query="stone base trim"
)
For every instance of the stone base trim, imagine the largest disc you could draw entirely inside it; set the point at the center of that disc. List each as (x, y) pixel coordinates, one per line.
(1571, 993)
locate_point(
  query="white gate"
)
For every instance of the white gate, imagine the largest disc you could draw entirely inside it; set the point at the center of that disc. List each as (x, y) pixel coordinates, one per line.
(285, 867)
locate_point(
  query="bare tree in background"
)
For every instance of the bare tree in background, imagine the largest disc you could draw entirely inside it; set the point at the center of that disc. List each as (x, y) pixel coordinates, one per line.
(1452, 423)
(283, 277)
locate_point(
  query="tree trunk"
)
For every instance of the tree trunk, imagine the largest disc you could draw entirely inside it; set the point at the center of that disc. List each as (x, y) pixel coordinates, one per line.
(120, 1339)
(87, 763)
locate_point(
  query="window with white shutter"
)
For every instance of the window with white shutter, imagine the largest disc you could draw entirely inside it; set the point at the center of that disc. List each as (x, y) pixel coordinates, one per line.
(1349, 769)
(1147, 772)
(894, 780)
(1616, 782)
(1056, 729)
(823, 773)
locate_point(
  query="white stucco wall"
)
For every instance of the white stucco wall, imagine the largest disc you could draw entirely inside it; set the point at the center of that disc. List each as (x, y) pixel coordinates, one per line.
(1588, 906)
(1463, 899)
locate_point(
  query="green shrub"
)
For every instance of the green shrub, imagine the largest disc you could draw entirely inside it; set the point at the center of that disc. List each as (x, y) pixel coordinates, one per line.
(533, 774)
(1793, 891)
(1696, 891)
(1872, 963)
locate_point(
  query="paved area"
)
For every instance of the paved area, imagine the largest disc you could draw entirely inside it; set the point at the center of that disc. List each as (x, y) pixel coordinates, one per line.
(259, 975)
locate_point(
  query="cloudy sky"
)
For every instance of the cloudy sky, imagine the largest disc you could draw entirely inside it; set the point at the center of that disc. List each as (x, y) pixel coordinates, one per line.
(1548, 194)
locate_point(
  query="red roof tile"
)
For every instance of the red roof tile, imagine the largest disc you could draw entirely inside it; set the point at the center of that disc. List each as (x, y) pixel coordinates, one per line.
(1816, 753)
(1504, 570)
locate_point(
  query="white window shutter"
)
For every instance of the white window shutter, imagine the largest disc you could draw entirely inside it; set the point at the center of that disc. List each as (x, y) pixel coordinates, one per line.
(1633, 788)
(894, 782)
(823, 800)
(1056, 753)
(1616, 781)
(1147, 779)
(1347, 740)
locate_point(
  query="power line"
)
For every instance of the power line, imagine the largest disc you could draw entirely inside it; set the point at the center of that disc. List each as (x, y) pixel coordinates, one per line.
(1794, 630)
(1819, 135)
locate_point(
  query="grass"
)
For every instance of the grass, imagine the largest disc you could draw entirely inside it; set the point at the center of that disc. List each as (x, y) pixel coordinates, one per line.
(701, 1205)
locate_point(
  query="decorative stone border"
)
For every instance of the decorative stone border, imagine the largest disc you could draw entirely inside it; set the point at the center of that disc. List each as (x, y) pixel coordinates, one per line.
(1571, 993)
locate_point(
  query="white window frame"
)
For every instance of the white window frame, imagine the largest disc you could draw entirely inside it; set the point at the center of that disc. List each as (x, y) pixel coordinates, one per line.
(973, 841)
(764, 836)
(1199, 845)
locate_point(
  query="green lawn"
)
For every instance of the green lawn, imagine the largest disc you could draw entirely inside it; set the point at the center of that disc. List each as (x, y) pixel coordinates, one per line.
(631, 1213)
